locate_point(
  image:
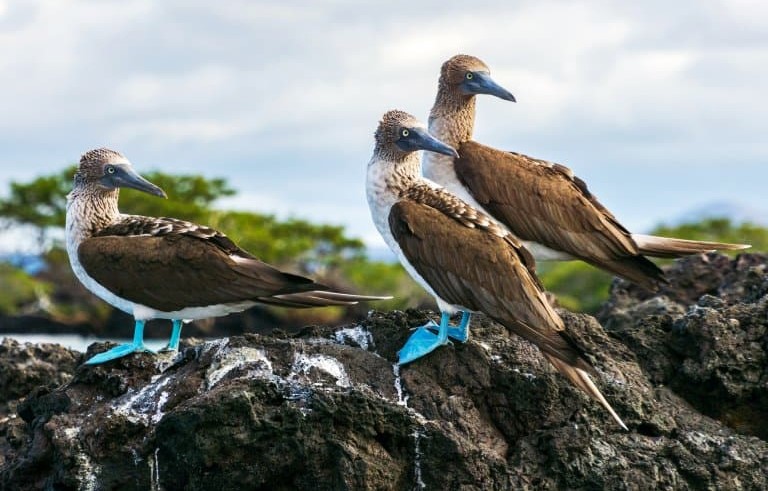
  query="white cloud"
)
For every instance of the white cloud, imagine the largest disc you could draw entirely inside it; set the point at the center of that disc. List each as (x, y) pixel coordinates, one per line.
(269, 94)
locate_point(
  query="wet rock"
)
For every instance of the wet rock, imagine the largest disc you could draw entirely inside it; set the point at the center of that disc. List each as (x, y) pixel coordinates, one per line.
(327, 408)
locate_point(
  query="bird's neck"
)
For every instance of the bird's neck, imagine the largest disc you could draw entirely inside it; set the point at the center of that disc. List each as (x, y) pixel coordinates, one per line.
(404, 173)
(90, 210)
(389, 178)
(452, 117)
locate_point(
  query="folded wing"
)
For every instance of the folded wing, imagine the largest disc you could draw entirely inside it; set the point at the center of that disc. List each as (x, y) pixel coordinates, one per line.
(544, 202)
(169, 265)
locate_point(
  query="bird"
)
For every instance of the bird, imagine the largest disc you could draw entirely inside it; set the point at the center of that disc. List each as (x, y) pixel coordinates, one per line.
(461, 256)
(543, 203)
(166, 268)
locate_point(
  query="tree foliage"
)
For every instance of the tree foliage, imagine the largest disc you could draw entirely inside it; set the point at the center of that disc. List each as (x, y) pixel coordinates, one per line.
(313, 248)
(19, 289)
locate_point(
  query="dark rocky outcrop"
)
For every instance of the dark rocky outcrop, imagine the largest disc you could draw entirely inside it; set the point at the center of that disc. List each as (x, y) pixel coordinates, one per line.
(326, 408)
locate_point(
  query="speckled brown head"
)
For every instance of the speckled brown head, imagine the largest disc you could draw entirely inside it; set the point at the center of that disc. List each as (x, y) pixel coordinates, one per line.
(106, 170)
(400, 134)
(467, 76)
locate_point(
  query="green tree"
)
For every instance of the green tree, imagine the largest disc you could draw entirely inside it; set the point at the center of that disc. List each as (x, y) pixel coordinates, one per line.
(312, 248)
(19, 290)
(385, 278)
(579, 286)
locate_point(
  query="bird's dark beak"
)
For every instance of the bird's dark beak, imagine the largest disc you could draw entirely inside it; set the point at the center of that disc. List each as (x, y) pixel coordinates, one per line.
(422, 140)
(126, 177)
(482, 83)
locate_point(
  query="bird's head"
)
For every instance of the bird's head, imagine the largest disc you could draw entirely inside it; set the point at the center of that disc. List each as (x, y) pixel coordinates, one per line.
(400, 133)
(107, 169)
(469, 76)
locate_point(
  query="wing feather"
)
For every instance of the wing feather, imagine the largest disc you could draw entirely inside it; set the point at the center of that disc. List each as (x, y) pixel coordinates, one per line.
(544, 202)
(481, 271)
(169, 265)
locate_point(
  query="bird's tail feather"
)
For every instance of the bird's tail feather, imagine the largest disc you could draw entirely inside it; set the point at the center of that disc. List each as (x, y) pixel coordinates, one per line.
(651, 245)
(318, 298)
(580, 378)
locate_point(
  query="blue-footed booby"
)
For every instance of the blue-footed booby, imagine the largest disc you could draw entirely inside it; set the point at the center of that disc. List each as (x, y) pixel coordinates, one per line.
(164, 268)
(542, 203)
(466, 260)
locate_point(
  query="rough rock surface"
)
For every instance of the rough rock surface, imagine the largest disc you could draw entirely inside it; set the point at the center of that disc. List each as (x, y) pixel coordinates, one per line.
(326, 408)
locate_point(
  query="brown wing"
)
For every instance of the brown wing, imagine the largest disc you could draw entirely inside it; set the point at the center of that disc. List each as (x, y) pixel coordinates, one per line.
(544, 202)
(169, 264)
(477, 269)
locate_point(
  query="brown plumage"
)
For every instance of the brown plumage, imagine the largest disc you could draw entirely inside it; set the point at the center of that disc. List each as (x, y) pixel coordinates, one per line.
(546, 203)
(471, 262)
(537, 200)
(170, 265)
(167, 264)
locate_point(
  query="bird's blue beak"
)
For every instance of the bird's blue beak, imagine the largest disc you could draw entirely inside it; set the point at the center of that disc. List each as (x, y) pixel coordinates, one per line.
(125, 177)
(482, 83)
(420, 139)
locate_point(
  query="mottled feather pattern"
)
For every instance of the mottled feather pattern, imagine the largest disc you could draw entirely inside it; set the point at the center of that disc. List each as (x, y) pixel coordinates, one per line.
(141, 225)
(442, 200)
(544, 202)
(445, 202)
(136, 225)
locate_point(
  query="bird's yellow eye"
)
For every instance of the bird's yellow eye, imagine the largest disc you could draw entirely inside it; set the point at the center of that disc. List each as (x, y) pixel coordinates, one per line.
(469, 75)
(111, 169)
(405, 132)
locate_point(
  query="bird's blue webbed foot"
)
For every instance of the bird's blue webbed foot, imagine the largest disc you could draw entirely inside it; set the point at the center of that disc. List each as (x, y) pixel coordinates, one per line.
(124, 349)
(424, 341)
(173, 342)
(459, 333)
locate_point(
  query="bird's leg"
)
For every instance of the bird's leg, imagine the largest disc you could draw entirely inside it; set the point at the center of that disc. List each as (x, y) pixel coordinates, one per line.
(124, 349)
(424, 341)
(459, 333)
(173, 342)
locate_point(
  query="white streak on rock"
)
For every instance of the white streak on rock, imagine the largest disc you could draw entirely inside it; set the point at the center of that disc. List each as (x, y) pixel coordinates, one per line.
(154, 472)
(303, 364)
(358, 336)
(402, 399)
(227, 360)
(146, 405)
(417, 435)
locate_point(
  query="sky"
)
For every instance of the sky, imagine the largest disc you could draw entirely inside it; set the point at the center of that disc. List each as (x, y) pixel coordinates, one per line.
(660, 106)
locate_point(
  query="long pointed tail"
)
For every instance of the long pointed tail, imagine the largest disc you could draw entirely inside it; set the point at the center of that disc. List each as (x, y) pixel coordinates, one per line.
(581, 379)
(318, 298)
(651, 245)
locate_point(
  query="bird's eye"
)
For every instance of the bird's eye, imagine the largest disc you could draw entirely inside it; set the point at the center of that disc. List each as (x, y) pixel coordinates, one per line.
(405, 132)
(110, 170)
(469, 75)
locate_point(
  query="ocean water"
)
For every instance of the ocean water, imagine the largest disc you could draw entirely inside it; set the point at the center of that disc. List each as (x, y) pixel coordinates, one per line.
(77, 342)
